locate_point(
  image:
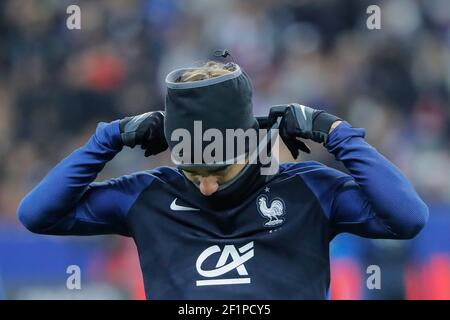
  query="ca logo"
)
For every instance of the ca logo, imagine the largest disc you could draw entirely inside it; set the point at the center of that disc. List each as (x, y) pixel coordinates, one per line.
(238, 258)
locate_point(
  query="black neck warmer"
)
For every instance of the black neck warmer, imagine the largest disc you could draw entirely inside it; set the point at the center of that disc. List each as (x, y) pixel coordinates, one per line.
(220, 103)
(234, 193)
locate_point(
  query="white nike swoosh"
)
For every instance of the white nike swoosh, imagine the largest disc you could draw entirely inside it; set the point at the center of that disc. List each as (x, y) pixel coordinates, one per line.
(176, 207)
(303, 111)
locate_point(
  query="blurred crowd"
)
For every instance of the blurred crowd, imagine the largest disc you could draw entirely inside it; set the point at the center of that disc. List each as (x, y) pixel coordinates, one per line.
(56, 84)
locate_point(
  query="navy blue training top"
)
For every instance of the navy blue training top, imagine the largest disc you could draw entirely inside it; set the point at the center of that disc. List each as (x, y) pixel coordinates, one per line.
(272, 245)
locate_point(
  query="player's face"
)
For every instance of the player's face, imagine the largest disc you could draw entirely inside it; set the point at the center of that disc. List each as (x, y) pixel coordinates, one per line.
(209, 181)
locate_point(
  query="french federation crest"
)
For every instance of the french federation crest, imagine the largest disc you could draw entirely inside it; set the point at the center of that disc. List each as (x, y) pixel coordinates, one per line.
(271, 210)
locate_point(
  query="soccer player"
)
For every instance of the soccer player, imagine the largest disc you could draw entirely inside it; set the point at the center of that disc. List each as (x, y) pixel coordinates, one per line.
(225, 231)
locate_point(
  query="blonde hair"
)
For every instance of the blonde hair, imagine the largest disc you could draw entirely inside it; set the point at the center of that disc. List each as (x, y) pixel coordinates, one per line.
(210, 69)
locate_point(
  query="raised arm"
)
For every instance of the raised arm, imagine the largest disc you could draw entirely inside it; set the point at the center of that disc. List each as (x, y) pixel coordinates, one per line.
(375, 200)
(379, 202)
(67, 201)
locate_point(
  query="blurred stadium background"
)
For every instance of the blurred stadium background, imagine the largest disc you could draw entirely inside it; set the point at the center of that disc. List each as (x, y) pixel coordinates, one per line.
(56, 84)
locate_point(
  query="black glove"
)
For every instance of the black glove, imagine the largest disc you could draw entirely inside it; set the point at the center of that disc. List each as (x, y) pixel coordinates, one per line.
(146, 130)
(300, 121)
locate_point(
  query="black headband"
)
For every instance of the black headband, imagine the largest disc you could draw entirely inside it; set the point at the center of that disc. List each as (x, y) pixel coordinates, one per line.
(223, 102)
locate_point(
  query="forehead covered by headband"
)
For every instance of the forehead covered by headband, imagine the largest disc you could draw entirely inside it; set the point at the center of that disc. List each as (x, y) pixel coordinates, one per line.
(223, 102)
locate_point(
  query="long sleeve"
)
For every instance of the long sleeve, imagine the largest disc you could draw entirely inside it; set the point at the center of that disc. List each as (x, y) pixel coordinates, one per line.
(67, 201)
(378, 202)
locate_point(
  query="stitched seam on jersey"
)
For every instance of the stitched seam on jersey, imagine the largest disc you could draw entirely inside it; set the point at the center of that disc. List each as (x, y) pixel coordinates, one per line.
(339, 184)
(315, 197)
(331, 230)
(127, 215)
(373, 216)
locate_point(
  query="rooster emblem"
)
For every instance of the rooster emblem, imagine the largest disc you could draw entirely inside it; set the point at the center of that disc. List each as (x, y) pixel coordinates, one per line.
(273, 212)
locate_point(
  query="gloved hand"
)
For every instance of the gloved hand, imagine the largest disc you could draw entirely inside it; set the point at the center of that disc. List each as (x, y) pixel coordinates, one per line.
(300, 121)
(146, 130)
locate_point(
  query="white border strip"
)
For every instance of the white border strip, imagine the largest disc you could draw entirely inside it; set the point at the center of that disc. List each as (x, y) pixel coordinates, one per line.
(219, 282)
